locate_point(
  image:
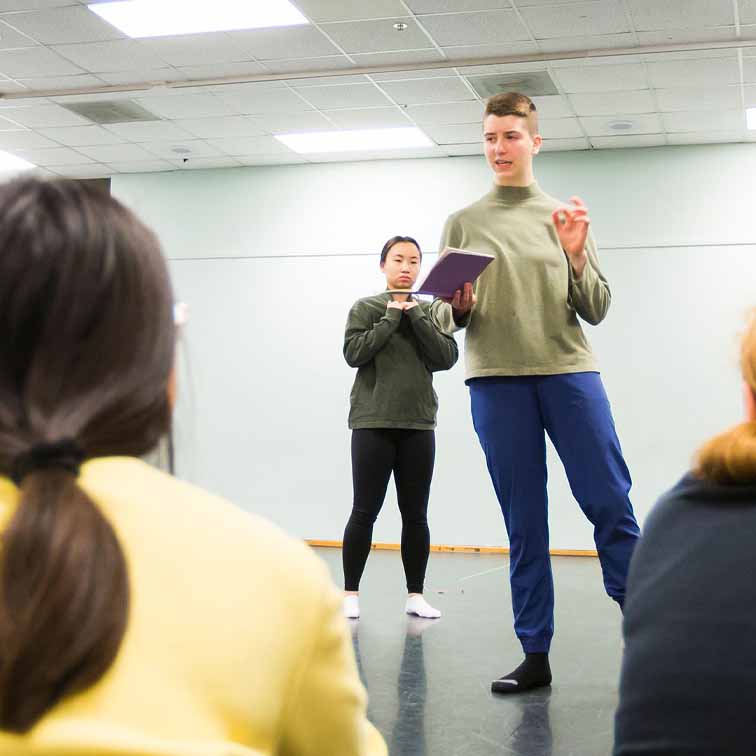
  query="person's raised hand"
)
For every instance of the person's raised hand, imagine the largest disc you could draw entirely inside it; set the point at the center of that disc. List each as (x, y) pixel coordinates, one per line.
(571, 222)
(463, 301)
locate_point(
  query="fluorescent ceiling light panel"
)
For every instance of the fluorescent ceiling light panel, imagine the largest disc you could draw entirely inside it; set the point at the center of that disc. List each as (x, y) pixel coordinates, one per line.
(751, 118)
(353, 141)
(11, 163)
(160, 18)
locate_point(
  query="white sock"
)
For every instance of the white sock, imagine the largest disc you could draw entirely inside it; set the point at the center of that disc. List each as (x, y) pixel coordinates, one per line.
(351, 607)
(419, 606)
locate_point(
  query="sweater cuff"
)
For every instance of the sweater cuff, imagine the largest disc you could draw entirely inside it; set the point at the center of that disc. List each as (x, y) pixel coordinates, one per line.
(587, 277)
(393, 314)
(415, 313)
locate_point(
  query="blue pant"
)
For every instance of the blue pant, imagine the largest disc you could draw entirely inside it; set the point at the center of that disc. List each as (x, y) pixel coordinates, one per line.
(510, 415)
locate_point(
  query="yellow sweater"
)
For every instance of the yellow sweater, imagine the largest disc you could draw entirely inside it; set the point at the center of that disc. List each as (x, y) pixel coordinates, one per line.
(235, 644)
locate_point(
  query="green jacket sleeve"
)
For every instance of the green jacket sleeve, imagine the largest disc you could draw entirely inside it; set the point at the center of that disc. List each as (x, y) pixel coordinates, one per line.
(438, 348)
(590, 295)
(363, 339)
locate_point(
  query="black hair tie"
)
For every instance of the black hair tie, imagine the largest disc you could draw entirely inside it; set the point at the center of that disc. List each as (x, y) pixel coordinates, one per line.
(65, 454)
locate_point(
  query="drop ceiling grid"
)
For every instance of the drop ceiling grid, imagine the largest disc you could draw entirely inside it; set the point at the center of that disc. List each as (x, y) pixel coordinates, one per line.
(197, 108)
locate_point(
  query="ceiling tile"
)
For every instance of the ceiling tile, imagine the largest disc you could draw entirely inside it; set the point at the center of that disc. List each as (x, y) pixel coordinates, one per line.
(458, 150)
(148, 166)
(262, 160)
(117, 55)
(47, 83)
(166, 149)
(552, 106)
(24, 140)
(81, 136)
(115, 153)
(706, 137)
(264, 145)
(91, 170)
(456, 6)
(280, 123)
(249, 99)
(231, 126)
(576, 19)
(308, 65)
(749, 70)
(186, 50)
(425, 91)
(458, 112)
(726, 120)
(407, 57)
(694, 73)
(282, 43)
(632, 140)
(40, 116)
(376, 36)
(327, 81)
(203, 163)
(564, 145)
(34, 62)
(345, 96)
(27, 5)
(613, 103)
(560, 128)
(57, 26)
(150, 77)
(681, 36)
(148, 131)
(580, 42)
(55, 156)
(473, 52)
(648, 15)
(715, 98)
(431, 73)
(222, 70)
(747, 11)
(649, 123)
(352, 10)
(466, 133)
(9, 37)
(605, 78)
(181, 105)
(368, 118)
(487, 27)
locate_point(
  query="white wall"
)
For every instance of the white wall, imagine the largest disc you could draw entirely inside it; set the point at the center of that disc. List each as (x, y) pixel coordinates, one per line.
(270, 259)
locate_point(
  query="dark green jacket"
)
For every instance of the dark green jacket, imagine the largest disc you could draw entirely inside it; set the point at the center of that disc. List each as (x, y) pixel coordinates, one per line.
(396, 354)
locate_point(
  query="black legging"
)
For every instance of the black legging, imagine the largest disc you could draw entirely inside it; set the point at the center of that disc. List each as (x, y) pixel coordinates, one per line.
(376, 453)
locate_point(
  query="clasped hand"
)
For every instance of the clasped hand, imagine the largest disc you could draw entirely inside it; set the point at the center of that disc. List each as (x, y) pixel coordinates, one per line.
(400, 305)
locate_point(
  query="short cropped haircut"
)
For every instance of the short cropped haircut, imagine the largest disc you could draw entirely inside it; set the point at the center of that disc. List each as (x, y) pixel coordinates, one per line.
(514, 103)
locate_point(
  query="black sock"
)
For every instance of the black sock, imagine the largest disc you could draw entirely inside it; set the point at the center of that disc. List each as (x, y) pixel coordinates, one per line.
(534, 672)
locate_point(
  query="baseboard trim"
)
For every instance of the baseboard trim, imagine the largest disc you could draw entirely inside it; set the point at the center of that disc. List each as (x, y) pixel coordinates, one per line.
(458, 549)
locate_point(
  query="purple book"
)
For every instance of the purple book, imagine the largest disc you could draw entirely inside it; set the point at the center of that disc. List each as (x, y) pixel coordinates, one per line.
(453, 269)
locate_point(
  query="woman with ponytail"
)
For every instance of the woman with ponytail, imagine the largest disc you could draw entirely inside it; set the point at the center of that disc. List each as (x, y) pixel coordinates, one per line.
(139, 615)
(688, 681)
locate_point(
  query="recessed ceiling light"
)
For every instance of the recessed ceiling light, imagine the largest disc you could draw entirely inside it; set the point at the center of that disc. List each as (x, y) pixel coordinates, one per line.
(751, 118)
(621, 125)
(159, 18)
(13, 164)
(352, 141)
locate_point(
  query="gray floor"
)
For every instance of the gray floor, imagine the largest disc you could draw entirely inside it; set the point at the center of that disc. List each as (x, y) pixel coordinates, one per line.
(429, 681)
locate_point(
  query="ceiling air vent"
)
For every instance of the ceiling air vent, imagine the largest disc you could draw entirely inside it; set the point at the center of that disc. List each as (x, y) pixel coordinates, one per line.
(111, 111)
(532, 84)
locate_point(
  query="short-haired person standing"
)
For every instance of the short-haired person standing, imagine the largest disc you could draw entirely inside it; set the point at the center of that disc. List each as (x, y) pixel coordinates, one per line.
(530, 369)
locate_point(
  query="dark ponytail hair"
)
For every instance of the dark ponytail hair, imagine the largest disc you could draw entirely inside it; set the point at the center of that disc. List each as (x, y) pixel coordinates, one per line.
(86, 351)
(396, 240)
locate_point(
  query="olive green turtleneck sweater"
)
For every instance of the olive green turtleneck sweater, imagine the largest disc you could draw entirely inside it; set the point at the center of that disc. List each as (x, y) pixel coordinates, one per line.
(525, 320)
